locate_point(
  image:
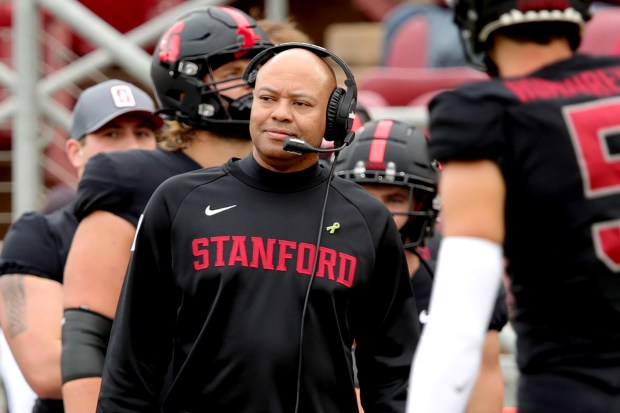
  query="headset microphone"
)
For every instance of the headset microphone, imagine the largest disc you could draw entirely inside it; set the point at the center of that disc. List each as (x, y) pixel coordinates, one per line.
(301, 147)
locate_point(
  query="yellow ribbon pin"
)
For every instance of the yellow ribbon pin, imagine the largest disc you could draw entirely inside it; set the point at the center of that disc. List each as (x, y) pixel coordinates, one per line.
(333, 228)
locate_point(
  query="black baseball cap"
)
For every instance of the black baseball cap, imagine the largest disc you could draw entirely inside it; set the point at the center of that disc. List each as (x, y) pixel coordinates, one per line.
(108, 100)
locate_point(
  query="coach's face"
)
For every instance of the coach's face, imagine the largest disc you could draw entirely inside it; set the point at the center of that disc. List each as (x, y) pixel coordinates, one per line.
(290, 101)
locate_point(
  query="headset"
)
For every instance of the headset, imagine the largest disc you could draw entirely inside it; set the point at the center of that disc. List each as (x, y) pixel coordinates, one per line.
(342, 103)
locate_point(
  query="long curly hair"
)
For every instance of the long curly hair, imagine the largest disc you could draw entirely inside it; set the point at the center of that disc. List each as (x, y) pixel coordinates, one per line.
(174, 135)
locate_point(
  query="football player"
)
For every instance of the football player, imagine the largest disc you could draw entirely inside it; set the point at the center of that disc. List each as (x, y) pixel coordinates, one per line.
(196, 71)
(530, 174)
(389, 158)
(111, 116)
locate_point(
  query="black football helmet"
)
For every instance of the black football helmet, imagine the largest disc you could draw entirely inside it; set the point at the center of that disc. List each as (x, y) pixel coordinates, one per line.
(362, 115)
(391, 152)
(477, 19)
(194, 46)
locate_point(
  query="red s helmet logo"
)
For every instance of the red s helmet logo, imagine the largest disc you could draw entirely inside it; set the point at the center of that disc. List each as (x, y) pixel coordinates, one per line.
(244, 29)
(170, 43)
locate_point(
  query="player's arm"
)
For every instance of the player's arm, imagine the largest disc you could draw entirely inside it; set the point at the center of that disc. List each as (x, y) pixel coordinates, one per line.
(468, 276)
(30, 316)
(94, 274)
(140, 346)
(488, 393)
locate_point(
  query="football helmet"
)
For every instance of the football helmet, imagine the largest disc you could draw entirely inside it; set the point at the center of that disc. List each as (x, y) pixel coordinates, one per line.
(477, 19)
(194, 46)
(362, 115)
(391, 152)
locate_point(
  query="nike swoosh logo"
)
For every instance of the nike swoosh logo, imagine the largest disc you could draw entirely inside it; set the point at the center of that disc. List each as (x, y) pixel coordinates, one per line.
(210, 212)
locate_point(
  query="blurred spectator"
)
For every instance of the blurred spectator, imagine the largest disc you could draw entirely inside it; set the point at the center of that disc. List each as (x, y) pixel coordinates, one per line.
(376, 10)
(444, 44)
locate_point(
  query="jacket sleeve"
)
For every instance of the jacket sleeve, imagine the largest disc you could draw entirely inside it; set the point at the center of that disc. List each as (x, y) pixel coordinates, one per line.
(141, 339)
(386, 342)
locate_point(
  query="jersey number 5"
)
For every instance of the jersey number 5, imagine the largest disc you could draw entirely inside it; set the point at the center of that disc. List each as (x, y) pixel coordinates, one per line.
(595, 130)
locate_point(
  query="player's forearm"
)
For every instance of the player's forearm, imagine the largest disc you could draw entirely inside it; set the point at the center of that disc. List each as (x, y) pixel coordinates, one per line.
(80, 396)
(448, 357)
(42, 369)
(488, 392)
(31, 319)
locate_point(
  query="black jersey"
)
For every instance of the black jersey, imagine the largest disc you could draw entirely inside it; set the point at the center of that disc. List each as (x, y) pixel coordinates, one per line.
(555, 136)
(122, 182)
(422, 284)
(38, 244)
(218, 278)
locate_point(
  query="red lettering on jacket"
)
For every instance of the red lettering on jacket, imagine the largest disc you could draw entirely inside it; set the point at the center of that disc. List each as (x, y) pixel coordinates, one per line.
(219, 251)
(259, 252)
(327, 262)
(283, 254)
(346, 270)
(237, 251)
(305, 258)
(199, 249)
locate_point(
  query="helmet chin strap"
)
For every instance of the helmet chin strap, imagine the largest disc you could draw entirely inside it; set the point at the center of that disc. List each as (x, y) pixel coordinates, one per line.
(230, 129)
(226, 117)
(236, 122)
(240, 108)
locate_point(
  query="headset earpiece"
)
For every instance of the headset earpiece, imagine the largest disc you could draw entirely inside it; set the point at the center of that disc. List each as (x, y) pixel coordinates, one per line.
(342, 103)
(333, 106)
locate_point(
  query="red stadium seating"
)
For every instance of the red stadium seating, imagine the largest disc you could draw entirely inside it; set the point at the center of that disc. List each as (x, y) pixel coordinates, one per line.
(602, 34)
(408, 47)
(371, 99)
(134, 13)
(400, 86)
(425, 98)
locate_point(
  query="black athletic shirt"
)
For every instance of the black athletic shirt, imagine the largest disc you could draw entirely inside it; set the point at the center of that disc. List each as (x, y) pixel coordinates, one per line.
(38, 244)
(217, 280)
(555, 134)
(122, 182)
